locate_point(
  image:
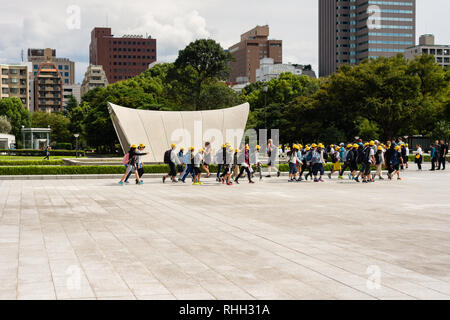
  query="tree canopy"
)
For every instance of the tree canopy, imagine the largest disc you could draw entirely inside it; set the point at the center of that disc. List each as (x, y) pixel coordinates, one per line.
(17, 115)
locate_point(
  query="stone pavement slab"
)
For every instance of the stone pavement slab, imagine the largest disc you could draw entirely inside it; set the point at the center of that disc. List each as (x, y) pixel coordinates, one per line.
(94, 239)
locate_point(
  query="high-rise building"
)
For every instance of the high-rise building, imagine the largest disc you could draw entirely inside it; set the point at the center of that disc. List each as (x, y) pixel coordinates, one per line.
(94, 77)
(48, 88)
(14, 83)
(121, 57)
(65, 67)
(426, 45)
(353, 30)
(254, 46)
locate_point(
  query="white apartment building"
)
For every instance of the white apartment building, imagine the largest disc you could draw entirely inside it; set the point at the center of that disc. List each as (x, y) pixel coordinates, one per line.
(94, 77)
(269, 70)
(14, 82)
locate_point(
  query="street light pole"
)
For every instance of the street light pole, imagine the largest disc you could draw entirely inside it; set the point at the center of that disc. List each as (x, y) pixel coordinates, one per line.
(76, 135)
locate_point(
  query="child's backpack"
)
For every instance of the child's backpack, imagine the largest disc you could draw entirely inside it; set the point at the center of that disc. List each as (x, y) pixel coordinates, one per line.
(315, 157)
(360, 156)
(167, 156)
(367, 157)
(126, 158)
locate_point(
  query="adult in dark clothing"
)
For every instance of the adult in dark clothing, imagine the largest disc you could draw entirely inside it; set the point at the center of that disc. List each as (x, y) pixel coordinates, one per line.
(433, 155)
(443, 150)
(437, 148)
(388, 157)
(404, 157)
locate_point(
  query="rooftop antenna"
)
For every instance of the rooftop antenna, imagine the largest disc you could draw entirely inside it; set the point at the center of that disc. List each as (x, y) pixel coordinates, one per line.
(21, 54)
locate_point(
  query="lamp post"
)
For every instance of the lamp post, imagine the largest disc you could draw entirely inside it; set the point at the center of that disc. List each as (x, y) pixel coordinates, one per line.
(76, 135)
(265, 89)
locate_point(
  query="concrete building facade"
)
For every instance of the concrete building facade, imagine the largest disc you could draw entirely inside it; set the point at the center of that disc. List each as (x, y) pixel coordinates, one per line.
(94, 77)
(268, 70)
(14, 82)
(121, 57)
(48, 89)
(65, 67)
(428, 46)
(353, 30)
(71, 89)
(254, 46)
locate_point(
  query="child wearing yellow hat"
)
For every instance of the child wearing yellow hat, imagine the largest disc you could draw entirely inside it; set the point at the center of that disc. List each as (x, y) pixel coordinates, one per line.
(336, 160)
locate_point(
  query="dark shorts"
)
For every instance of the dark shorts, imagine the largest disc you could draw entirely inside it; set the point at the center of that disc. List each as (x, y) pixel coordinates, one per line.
(353, 166)
(367, 169)
(173, 169)
(396, 167)
(363, 168)
(180, 168)
(292, 168)
(318, 167)
(197, 170)
(227, 169)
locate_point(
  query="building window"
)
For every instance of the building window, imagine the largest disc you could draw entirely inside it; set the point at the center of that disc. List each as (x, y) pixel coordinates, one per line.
(66, 67)
(66, 74)
(60, 67)
(66, 81)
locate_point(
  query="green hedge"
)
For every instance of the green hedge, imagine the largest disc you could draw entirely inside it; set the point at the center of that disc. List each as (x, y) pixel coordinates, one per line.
(61, 170)
(26, 152)
(31, 162)
(425, 158)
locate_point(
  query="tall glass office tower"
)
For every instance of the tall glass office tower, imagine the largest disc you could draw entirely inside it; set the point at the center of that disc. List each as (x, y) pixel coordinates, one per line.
(353, 30)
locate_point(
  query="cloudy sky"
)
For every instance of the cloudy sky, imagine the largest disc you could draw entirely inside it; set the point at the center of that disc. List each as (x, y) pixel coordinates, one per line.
(175, 23)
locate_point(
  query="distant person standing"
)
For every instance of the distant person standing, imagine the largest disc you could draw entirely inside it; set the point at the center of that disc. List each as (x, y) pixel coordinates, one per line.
(419, 157)
(443, 150)
(47, 153)
(433, 155)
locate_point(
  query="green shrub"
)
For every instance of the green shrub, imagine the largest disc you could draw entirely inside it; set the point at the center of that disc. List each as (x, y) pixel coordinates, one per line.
(31, 162)
(61, 170)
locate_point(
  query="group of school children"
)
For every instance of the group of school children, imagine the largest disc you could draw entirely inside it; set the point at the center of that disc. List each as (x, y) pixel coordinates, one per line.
(358, 158)
(309, 161)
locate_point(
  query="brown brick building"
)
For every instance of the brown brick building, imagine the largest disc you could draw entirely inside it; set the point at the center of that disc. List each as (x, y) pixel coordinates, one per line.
(48, 88)
(254, 46)
(121, 57)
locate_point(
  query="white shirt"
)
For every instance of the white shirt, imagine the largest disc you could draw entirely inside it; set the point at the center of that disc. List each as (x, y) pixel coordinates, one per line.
(198, 159)
(174, 157)
(419, 151)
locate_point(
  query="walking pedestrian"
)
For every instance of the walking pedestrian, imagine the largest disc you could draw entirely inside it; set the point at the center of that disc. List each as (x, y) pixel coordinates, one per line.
(171, 158)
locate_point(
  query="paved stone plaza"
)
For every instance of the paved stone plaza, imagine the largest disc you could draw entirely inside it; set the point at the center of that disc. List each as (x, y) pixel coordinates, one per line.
(93, 239)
